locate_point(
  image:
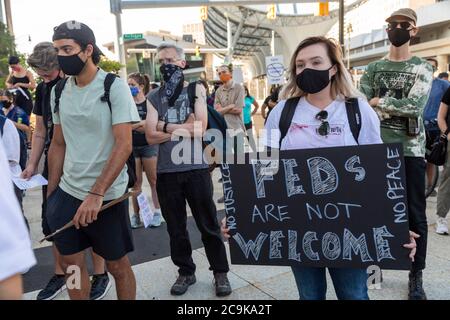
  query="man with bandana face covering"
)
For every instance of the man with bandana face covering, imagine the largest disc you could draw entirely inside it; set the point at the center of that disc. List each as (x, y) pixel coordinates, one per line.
(176, 126)
(397, 87)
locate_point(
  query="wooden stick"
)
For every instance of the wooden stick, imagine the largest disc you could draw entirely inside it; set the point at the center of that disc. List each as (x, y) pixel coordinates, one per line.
(106, 206)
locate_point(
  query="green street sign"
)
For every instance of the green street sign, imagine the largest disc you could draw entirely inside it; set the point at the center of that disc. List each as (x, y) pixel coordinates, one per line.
(133, 36)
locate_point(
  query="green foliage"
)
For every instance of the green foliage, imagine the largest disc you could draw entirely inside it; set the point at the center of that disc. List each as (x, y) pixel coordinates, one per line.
(7, 48)
(110, 65)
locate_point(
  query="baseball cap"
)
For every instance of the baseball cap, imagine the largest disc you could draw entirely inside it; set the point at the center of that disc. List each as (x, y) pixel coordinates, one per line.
(77, 31)
(403, 12)
(13, 60)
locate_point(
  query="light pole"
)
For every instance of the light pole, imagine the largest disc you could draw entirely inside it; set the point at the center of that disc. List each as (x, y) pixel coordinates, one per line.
(349, 31)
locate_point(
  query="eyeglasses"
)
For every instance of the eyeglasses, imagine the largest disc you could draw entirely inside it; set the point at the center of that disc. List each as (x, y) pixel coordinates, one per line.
(324, 128)
(405, 25)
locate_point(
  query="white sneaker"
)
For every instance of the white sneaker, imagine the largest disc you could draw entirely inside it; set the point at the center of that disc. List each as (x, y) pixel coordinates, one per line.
(156, 222)
(136, 222)
(441, 226)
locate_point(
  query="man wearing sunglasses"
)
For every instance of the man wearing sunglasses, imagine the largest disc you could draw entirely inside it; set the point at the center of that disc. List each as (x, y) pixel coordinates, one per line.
(397, 87)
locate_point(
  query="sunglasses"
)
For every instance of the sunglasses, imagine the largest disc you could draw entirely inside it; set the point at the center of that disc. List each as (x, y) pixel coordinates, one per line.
(324, 128)
(404, 25)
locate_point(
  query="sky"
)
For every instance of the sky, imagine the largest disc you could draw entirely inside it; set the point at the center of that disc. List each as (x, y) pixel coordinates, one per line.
(37, 18)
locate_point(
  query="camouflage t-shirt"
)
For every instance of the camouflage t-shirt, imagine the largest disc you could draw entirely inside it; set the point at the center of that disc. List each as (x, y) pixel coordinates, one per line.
(403, 89)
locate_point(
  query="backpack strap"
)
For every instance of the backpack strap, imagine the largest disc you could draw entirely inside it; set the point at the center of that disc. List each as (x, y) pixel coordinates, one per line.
(59, 87)
(109, 80)
(286, 117)
(2, 124)
(354, 117)
(191, 94)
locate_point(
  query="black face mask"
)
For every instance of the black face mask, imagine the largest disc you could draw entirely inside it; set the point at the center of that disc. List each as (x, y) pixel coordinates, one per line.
(312, 80)
(173, 81)
(398, 36)
(71, 65)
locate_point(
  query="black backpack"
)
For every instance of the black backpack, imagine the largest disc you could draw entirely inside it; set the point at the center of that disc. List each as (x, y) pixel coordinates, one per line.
(23, 143)
(215, 119)
(353, 115)
(109, 80)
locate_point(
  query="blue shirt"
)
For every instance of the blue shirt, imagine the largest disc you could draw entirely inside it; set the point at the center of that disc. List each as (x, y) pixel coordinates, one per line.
(248, 110)
(438, 89)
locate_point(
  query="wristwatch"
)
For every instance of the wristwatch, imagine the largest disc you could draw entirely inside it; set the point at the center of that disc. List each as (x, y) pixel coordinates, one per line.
(165, 127)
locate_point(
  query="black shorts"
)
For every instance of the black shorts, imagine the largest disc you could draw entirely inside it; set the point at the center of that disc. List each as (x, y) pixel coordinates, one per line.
(45, 227)
(110, 236)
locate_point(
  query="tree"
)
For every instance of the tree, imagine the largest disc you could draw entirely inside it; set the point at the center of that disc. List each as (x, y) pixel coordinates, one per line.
(110, 65)
(7, 49)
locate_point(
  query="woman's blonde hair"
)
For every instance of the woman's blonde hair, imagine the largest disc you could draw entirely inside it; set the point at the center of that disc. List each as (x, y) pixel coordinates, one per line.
(341, 83)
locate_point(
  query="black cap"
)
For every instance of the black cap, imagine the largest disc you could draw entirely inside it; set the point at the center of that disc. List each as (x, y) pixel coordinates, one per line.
(13, 60)
(77, 31)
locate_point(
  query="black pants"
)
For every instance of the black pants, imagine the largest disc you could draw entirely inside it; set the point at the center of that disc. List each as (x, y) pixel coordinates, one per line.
(415, 182)
(195, 187)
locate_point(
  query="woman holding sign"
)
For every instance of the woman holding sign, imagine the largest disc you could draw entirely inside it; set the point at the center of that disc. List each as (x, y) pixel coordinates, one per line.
(312, 113)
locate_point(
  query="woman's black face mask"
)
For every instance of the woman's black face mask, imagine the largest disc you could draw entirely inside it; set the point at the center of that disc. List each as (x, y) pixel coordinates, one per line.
(313, 81)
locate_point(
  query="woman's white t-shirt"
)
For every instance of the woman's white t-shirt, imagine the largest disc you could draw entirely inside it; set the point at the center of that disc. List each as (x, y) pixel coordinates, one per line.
(303, 132)
(16, 254)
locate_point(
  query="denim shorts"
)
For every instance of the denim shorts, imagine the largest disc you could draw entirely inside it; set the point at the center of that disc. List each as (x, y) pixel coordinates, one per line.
(148, 151)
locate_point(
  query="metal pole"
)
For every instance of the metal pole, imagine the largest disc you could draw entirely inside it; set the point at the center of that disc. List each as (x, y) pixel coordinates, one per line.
(9, 22)
(341, 23)
(272, 44)
(120, 46)
(229, 41)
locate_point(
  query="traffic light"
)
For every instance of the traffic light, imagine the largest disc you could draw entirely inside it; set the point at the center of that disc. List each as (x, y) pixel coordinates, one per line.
(197, 51)
(204, 13)
(272, 12)
(324, 9)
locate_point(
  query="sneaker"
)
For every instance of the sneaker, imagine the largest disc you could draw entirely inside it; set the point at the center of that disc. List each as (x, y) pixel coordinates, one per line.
(432, 193)
(100, 286)
(441, 226)
(221, 200)
(220, 180)
(136, 222)
(55, 286)
(182, 284)
(415, 285)
(223, 287)
(156, 222)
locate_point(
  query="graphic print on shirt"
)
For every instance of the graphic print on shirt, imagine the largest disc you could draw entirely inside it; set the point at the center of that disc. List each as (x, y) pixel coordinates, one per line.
(179, 112)
(396, 85)
(306, 135)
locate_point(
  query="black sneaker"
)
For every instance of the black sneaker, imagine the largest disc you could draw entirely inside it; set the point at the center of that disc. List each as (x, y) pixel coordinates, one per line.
(415, 285)
(182, 284)
(100, 286)
(223, 287)
(55, 286)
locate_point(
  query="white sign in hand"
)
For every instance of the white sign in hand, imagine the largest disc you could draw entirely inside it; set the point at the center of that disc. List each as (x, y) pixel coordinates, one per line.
(145, 210)
(35, 181)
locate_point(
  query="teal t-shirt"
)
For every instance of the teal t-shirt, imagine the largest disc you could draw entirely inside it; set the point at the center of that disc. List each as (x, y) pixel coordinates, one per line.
(86, 124)
(248, 109)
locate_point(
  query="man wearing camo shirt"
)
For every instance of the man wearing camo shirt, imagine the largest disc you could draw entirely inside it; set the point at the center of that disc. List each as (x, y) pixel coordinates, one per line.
(397, 87)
